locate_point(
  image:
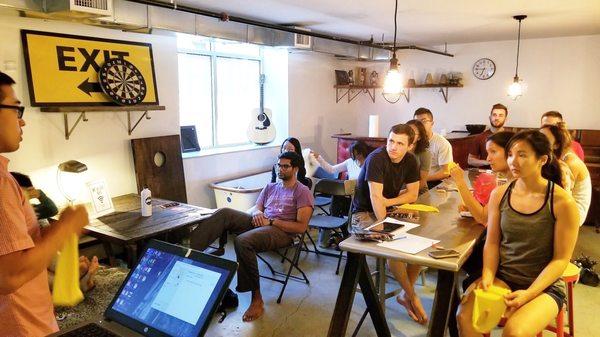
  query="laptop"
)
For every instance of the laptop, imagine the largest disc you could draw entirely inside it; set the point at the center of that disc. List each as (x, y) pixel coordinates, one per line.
(171, 291)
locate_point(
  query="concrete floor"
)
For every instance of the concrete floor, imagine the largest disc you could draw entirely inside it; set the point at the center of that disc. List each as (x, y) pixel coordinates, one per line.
(306, 309)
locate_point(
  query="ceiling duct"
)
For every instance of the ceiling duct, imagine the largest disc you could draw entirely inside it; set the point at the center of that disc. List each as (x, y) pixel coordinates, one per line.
(77, 9)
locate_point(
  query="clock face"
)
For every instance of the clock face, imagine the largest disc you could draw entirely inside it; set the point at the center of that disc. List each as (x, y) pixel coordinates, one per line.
(484, 68)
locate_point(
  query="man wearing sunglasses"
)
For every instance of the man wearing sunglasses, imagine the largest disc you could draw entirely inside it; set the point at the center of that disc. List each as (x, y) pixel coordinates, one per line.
(283, 210)
(25, 301)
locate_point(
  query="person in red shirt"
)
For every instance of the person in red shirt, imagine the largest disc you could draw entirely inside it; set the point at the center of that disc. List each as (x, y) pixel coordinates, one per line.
(477, 152)
(555, 117)
(26, 308)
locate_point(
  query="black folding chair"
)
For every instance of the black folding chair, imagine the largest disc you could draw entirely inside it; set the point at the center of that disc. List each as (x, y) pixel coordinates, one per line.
(339, 188)
(295, 248)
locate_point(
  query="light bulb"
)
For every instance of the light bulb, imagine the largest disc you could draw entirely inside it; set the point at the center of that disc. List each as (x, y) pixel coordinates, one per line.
(393, 82)
(515, 90)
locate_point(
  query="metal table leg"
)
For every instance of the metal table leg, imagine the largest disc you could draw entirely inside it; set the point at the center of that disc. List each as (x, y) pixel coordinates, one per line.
(444, 295)
(357, 271)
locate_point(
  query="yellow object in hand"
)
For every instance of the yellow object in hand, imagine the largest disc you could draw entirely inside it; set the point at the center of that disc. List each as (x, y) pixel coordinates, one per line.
(488, 308)
(419, 207)
(66, 290)
(451, 165)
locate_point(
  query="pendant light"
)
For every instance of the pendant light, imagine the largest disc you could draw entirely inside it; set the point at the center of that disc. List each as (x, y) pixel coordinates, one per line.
(515, 90)
(392, 86)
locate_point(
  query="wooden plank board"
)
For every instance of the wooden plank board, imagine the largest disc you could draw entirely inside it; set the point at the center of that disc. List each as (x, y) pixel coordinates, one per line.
(166, 181)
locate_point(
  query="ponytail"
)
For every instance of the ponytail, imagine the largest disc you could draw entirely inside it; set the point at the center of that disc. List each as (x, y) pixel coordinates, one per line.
(552, 171)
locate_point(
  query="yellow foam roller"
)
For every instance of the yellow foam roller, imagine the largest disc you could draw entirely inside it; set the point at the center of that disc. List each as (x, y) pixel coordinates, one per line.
(488, 308)
(419, 207)
(66, 290)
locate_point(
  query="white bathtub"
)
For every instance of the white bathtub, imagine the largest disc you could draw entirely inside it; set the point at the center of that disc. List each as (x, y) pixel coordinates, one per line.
(240, 193)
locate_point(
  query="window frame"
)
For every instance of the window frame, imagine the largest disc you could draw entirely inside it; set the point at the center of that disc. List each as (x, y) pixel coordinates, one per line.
(214, 55)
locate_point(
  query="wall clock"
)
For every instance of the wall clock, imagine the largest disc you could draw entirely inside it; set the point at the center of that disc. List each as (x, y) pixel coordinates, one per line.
(484, 68)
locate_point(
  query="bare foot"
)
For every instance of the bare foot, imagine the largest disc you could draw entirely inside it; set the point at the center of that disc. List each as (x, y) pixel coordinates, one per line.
(92, 270)
(84, 264)
(414, 308)
(255, 310)
(408, 307)
(87, 281)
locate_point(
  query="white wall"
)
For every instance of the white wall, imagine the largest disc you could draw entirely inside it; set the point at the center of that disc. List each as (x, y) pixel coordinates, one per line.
(102, 143)
(314, 114)
(561, 74)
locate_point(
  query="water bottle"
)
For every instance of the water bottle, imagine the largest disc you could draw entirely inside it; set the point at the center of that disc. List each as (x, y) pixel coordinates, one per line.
(146, 200)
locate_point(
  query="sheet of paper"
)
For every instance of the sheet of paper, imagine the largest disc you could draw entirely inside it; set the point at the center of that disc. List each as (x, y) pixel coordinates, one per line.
(411, 244)
(407, 225)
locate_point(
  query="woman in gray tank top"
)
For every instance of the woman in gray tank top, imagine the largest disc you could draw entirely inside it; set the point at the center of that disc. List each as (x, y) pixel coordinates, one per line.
(521, 252)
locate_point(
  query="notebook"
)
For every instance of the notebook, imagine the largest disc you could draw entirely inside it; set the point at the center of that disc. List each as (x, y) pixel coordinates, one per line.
(171, 291)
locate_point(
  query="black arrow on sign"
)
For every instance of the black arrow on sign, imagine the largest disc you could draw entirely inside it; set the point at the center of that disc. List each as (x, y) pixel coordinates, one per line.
(88, 87)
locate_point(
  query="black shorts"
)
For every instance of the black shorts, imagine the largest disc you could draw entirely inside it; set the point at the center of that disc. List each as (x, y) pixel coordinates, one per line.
(554, 291)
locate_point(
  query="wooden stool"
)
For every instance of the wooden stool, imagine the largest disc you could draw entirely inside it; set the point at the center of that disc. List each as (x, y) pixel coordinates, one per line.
(570, 276)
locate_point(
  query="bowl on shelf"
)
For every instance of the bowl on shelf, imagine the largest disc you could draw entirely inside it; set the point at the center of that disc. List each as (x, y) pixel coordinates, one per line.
(475, 128)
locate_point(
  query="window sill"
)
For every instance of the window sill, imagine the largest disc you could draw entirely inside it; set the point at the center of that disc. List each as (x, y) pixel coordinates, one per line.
(231, 149)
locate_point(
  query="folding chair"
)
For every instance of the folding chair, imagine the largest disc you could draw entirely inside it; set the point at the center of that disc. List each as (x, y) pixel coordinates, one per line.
(295, 247)
(343, 188)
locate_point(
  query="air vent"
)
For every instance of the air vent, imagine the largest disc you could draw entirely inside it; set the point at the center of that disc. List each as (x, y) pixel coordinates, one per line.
(91, 4)
(302, 41)
(79, 8)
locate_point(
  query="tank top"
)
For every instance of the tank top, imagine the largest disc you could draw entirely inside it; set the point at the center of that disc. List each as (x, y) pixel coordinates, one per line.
(526, 240)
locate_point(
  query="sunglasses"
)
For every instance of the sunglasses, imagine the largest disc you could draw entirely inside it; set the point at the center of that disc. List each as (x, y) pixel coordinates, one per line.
(20, 109)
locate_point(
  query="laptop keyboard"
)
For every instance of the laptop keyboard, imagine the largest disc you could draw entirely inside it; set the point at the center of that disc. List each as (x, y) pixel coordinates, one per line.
(90, 330)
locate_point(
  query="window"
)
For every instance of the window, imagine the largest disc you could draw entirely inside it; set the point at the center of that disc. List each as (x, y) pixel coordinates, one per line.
(219, 87)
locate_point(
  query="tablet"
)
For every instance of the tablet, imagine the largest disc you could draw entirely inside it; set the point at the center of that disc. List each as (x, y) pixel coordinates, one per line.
(385, 227)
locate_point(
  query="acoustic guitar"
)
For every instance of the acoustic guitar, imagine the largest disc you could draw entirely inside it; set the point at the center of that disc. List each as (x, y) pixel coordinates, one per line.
(261, 129)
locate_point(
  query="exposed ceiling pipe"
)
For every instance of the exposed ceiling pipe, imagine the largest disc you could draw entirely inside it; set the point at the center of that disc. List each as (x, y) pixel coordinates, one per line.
(426, 49)
(227, 17)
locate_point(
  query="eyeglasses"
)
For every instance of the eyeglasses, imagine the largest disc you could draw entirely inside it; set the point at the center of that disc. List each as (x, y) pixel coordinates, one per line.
(284, 166)
(20, 109)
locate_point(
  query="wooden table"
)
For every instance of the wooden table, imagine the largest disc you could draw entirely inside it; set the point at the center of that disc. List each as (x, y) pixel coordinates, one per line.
(126, 226)
(453, 231)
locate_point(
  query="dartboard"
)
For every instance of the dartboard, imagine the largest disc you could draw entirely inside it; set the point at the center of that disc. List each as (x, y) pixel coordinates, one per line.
(122, 82)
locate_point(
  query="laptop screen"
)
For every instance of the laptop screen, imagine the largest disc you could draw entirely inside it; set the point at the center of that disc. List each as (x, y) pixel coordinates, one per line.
(170, 293)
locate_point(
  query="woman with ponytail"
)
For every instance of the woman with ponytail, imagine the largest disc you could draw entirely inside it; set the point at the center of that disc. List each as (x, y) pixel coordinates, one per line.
(581, 189)
(521, 253)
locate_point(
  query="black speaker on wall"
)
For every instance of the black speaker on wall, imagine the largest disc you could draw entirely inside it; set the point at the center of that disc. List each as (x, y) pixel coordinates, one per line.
(189, 139)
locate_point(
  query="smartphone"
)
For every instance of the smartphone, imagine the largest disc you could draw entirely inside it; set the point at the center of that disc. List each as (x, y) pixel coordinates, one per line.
(386, 227)
(444, 253)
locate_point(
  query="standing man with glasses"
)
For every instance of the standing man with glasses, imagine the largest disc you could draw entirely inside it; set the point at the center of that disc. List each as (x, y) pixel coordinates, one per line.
(25, 252)
(283, 210)
(440, 148)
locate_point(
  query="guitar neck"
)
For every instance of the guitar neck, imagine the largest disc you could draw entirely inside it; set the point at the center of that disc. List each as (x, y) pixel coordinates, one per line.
(262, 93)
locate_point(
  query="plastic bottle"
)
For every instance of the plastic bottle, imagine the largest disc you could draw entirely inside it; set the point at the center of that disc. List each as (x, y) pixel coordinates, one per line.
(146, 200)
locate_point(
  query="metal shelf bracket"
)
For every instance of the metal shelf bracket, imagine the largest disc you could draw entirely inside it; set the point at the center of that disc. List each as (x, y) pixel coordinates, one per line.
(69, 131)
(129, 128)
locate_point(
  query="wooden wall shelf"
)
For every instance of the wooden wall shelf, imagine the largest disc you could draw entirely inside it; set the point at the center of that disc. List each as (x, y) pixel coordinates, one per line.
(443, 89)
(82, 110)
(352, 91)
